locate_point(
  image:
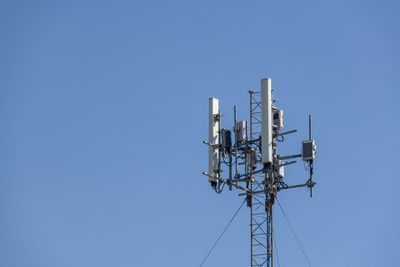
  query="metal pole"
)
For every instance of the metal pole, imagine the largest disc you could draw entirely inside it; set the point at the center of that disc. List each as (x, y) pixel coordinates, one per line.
(230, 170)
(219, 142)
(311, 162)
(251, 182)
(271, 237)
(236, 143)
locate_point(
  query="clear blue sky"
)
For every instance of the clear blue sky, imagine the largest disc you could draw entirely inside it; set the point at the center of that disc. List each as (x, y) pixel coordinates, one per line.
(103, 108)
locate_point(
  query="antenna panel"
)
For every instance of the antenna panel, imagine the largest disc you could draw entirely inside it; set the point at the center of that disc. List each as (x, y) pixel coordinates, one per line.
(213, 139)
(226, 141)
(278, 118)
(281, 169)
(241, 128)
(308, 149)
(266, 121)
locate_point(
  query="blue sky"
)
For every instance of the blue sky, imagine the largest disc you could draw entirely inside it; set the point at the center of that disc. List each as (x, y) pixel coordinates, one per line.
(103, 108)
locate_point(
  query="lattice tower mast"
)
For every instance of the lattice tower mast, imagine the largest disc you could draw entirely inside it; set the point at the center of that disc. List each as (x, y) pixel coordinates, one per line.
(254, 165)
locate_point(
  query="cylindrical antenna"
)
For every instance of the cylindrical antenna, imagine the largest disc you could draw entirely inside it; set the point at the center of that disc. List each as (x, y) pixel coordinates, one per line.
(266, 122)
(309, 126)
(213, 140)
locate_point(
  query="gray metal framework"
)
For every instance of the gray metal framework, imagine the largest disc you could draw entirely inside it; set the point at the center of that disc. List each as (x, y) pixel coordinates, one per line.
(260, 213)
(259, 182)
(263, 189)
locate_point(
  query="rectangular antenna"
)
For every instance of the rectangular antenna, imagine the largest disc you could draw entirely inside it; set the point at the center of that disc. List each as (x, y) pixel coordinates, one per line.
(213, 139)
(266, 121)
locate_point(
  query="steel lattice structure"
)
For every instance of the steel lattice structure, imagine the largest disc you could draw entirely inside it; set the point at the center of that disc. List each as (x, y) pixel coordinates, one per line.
(260, 214)
(260, 176)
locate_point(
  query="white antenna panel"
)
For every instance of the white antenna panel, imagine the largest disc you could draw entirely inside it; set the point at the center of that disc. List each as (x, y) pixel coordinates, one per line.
(213, 139)
(266, 121)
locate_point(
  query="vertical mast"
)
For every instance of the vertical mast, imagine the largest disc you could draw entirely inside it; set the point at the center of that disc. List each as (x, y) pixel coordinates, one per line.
(258, 169)
(260, 219)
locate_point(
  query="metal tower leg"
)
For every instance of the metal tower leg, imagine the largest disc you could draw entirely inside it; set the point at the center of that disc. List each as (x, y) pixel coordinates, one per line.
(261, 228)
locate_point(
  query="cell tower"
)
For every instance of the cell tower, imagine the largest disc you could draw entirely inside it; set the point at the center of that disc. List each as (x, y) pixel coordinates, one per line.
(254, 165)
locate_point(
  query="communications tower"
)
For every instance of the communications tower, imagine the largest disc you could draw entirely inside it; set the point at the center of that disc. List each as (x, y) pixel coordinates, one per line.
(253, 164)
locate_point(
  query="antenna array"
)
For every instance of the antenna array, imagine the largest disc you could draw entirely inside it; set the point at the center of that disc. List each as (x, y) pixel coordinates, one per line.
(254, 165)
